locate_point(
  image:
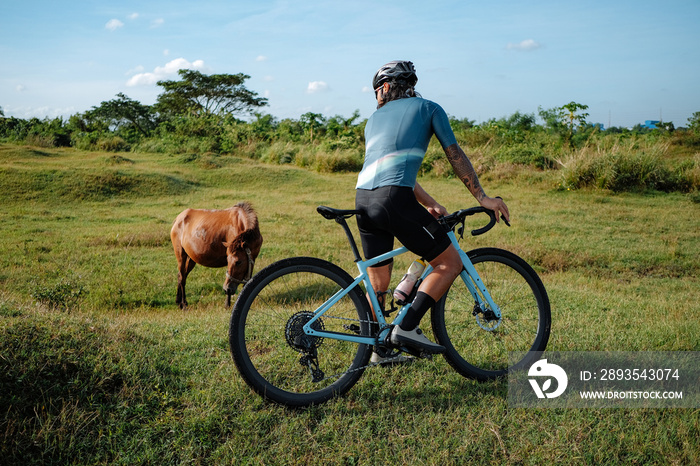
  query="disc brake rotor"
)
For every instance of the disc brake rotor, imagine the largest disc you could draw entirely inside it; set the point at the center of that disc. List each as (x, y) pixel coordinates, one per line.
(486, 319)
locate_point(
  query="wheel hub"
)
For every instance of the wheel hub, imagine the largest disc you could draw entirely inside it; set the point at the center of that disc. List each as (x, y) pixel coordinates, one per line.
(486, 318)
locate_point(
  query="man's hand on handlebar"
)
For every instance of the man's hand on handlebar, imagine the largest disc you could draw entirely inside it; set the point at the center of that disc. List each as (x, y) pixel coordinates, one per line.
(437, 210)
(497, 205)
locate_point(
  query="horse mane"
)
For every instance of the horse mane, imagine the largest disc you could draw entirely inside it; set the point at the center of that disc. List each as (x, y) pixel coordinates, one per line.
(250, 214)
(252, 231)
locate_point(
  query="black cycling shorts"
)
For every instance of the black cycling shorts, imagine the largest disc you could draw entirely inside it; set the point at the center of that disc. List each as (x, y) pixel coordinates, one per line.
(392, 212)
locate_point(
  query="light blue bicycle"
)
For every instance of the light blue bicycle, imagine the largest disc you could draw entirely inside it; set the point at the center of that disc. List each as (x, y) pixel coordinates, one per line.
(302, 330)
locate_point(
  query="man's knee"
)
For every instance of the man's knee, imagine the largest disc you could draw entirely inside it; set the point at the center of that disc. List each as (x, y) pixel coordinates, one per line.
(449, 262)
(454, 268)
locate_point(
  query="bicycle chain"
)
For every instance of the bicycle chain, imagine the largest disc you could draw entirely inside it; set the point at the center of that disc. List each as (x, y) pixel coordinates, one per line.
(382, 352)
(372, 364)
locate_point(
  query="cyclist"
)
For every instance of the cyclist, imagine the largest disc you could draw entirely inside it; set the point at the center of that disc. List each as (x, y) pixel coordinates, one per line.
(394, 205)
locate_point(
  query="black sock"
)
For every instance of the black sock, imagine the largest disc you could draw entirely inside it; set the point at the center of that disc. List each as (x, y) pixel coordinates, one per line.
(418, 308)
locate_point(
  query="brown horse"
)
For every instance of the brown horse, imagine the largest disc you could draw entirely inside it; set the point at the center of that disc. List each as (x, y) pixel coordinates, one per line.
(216, 238)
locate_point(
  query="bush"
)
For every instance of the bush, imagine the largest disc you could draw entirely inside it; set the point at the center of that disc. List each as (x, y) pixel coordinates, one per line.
(280, 153)
(622, 171)
(338, 161)
(686, 139)
(40, 140)
(61, 296)
(477, 136)
(525, 155)
(85, 140)
(112, 144)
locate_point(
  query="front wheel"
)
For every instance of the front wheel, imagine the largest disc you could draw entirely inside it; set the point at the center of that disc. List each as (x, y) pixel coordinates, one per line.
(478, 344)
(272, 352)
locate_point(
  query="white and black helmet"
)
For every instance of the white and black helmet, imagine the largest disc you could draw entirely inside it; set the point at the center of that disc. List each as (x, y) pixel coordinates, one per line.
(398, 70)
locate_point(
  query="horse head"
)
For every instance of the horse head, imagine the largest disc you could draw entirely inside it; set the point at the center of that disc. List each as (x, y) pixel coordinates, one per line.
(241, 254)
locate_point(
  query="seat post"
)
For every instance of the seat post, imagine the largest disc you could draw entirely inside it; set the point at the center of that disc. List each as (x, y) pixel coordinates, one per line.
(351, 238)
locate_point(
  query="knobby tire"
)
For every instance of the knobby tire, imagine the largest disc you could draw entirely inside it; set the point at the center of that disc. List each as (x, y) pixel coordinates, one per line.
(266, 322)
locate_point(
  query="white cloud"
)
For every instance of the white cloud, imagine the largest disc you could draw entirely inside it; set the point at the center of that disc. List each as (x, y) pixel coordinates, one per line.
(316, 86)
(138, 69)
(166, 52)
(162, 72)
(527, 44)
(113, 24)
(268, 79)
(20, 88)
(367, 89)
(133, 16)
(157, 23)
(261, 58)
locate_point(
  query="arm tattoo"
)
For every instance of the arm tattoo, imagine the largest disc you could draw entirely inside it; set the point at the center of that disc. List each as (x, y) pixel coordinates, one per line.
(464, 170)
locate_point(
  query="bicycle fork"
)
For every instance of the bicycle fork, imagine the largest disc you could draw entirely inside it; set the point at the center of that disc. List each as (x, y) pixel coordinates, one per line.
(483, 302)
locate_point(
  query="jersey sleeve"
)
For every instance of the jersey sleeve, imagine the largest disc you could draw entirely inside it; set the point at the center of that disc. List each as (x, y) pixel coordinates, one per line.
(441, 127)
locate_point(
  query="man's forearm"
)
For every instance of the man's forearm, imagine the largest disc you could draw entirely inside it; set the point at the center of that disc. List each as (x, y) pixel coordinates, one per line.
(422, 196)
(464, 170)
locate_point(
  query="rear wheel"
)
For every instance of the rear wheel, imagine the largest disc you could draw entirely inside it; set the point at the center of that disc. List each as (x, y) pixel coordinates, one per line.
(269, 347)
(480, 346)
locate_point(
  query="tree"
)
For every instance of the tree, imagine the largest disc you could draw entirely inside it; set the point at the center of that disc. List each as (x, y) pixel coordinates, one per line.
(200, 94)
(572, 118)
(461, 124)
(520, 121)
(552, 118)
(565, 119)
(123, 112)
(339, 125)
(312, 121)
(694, 122)
(665, 127)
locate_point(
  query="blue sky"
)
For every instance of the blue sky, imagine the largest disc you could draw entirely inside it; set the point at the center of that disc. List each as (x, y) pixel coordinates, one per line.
(629, 61)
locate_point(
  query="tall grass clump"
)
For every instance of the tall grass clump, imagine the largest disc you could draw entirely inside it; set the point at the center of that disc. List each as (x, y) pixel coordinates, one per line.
(280, 153)
(526, 155)
(314, 157)
(338, 161)
(60, 296)
(626, 166)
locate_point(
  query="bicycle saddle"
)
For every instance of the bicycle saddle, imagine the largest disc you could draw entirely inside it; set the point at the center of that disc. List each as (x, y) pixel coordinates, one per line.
(330, 213)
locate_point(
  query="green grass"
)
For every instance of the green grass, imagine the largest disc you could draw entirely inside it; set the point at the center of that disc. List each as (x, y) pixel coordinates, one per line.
(99, 366)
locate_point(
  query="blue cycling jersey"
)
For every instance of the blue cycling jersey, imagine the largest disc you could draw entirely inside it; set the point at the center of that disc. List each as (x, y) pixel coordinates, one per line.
(396, 139)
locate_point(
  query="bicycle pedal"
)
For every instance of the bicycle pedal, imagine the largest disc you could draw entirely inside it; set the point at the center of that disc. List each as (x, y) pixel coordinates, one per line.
(417, 353)
(352, 328)
(412, 351)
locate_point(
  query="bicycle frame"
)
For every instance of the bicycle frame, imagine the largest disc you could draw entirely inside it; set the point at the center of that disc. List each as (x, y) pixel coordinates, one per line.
(469, 275)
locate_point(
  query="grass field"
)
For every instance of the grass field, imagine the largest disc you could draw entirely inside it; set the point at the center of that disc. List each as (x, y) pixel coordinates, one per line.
(99, 366)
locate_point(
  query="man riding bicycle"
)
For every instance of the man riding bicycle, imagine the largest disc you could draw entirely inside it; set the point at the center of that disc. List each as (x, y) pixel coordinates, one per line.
(394, 205)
